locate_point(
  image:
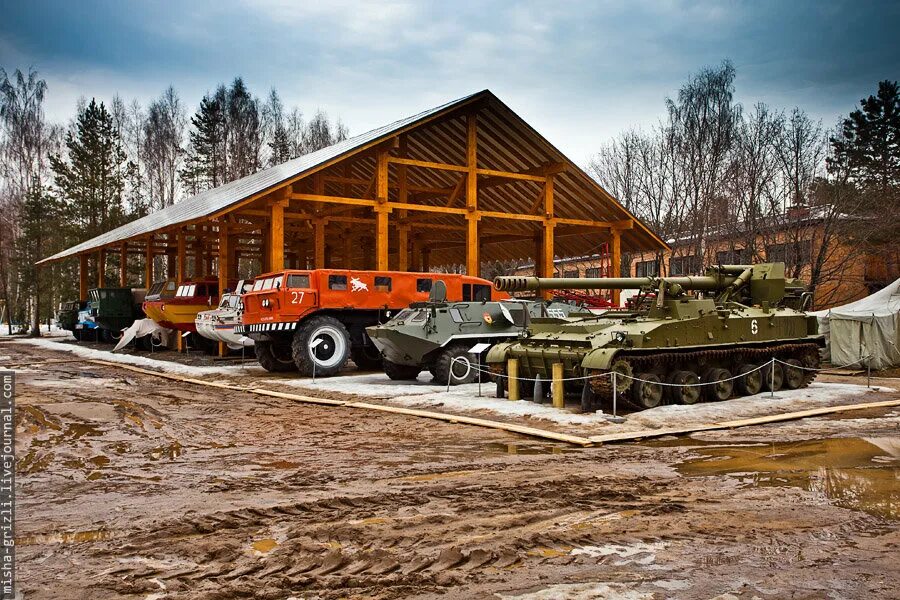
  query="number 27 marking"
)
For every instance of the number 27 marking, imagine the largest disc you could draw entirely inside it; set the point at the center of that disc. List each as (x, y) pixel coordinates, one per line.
(297, 297)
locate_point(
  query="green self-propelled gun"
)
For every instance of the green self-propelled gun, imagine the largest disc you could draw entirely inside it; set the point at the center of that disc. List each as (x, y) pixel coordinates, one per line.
(691, 338)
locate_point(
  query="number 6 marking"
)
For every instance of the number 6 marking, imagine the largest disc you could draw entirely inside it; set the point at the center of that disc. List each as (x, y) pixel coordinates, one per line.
(754, 327)
(297, 297)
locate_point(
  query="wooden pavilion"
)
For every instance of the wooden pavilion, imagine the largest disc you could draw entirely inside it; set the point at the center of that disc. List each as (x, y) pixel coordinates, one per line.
(462, 183)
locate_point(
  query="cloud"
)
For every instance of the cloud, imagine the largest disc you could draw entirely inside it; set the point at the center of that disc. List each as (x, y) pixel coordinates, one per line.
(578, 71)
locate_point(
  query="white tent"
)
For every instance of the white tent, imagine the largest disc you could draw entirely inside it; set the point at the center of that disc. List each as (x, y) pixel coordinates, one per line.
(865, 332)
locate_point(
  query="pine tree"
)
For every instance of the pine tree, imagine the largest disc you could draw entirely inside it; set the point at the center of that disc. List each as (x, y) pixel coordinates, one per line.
(205, 166)
(38, 218)
(867, 152)
(91, 179)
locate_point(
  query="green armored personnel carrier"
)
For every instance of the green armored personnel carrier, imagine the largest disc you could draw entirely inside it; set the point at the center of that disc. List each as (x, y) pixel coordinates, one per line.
(115, 309)
(438, 335)
(679, 347)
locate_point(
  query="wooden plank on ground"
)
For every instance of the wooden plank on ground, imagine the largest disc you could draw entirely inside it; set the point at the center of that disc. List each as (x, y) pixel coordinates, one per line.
(790, 416)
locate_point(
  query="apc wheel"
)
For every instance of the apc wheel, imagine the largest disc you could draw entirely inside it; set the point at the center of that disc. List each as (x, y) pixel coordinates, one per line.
(401, 372)
(647, 393)
(329, 355)
(772, 377)
(749, 381)
(501, 387)
(459, 359)
(366, 358)
(685, 389)
(719, 386)
(274, 358)
(794, 377)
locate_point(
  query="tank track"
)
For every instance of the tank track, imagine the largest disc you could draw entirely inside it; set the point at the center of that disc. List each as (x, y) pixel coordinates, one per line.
(806, 353)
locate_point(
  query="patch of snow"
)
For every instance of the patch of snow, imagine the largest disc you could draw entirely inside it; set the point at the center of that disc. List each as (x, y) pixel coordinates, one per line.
(582, 591)
(638, 553)
(128, 359)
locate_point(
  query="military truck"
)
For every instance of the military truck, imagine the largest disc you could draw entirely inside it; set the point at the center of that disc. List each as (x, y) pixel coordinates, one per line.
(438, 335)
(314, 320)
(682, 348)
(115, 309)
(75, 316)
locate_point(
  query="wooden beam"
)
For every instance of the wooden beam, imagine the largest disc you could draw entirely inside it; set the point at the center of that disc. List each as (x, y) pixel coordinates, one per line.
(426, 164)
(180, 257)
(123, 264)
(333, 199)
(512, 175)
(82, 277)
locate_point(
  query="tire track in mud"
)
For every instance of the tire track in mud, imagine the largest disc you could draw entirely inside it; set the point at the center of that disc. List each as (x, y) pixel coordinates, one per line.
(427, 535)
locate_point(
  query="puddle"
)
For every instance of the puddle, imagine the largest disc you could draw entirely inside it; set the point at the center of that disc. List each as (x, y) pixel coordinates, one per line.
(518, 448)
(856, 473)
(264, 546)
(64, 537)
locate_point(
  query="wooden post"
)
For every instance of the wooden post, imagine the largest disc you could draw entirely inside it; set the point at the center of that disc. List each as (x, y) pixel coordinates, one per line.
(473, 260)
(416, 253)
(223, 268)
(557, 388)
(276, 236)
(101, 268)
(319, 252)
(512, 372)
(180, 258)
(403, 198)
(180, 273)
(123, 265)
(348, 248)
(82, 277)
(547, 246)
(148, 263)
(616, 259)
(381, 210)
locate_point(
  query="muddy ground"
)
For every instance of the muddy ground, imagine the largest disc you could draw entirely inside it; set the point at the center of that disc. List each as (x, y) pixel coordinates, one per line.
(131, 486)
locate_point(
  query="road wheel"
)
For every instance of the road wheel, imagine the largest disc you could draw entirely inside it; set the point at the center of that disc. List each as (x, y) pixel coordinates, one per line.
(647, 393)
(501, 387)
(366, 358)
(749, 381)
(794, 377)
(460, 361)
(323, 342)
(275, 357)
(401, 372)
(685, 389)
(772, 376)
(719, 386)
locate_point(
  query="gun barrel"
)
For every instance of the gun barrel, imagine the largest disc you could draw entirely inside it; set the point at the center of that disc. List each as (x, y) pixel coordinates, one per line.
(521, 284)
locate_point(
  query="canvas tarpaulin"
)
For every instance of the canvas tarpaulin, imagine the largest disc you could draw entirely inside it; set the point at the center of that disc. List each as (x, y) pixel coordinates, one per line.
(865, 332)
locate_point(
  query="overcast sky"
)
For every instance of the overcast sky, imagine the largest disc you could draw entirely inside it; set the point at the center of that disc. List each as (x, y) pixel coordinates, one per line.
(579, 72)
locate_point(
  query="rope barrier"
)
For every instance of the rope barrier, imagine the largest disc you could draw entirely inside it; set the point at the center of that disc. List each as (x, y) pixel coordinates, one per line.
(760, 367)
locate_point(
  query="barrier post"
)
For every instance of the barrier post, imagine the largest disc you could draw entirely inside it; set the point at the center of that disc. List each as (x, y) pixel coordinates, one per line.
(772, 380)
(556, 386)
(615, 394)
(512, 371)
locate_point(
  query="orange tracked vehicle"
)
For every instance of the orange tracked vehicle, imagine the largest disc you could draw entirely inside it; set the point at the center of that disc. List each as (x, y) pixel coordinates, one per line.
(314, 320)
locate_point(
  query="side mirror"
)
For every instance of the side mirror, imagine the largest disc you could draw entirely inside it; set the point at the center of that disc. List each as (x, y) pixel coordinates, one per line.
(278, 285)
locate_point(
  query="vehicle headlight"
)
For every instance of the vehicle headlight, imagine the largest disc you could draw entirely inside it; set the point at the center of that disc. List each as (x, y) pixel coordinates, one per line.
(620, 336)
